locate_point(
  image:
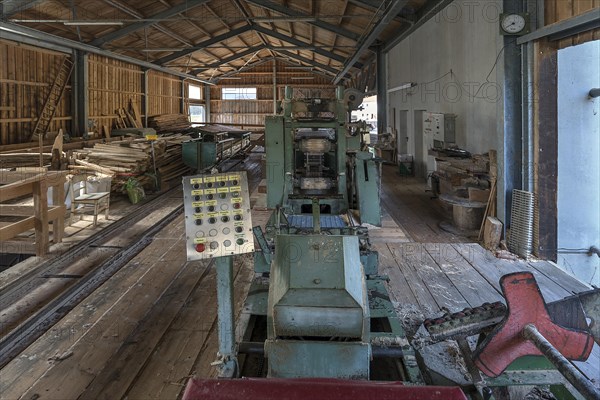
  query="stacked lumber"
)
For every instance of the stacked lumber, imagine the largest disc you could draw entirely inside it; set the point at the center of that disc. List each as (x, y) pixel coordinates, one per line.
(169, 123)
(464, 177)
(133, 158)
(13, 160)
(127, 118)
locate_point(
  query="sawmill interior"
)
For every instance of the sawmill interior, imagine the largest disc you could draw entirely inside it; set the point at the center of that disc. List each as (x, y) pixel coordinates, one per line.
(287, 199)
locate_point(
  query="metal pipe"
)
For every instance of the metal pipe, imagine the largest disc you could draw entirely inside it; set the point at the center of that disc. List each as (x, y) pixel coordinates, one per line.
(595, 93)
(564, 366)
(376, 350)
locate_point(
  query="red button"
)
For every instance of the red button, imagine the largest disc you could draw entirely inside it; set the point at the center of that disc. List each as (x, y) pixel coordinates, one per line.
(236, 205)
(200, 247)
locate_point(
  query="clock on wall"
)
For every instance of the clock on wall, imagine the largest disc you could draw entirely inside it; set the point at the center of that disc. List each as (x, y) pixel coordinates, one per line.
(514, 23)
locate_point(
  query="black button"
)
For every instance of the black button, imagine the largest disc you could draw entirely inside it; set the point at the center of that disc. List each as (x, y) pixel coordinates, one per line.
(239, 229)
(196, 186)
(210, 196)
(198, 222)
(222, 195)
(198, 209)
(237, 217)
(234, 182)
(211, 208)
(225, 219)
(196, 198)
(212, 220)
(221, 183)
(209, 185)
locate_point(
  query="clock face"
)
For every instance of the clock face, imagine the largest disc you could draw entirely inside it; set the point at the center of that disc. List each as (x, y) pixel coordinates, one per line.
(513, 23)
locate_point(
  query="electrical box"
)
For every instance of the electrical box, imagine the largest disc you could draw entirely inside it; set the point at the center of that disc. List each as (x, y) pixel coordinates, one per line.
(439, 129)
(217, 215)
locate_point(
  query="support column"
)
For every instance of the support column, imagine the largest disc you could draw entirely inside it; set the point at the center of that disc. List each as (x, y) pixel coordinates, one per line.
(226, 326)
(510, 154)
(145, 103)
(207, 102)
(80, 99)
(381, 91)
(274, 86)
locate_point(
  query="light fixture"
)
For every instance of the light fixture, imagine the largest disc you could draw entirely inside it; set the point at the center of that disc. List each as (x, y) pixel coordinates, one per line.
(230, 77)
(92, 23)
(302, 78)
(404, 86)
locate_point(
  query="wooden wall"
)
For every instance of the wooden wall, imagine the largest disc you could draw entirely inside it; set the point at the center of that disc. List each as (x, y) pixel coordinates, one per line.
(559, 10)
(26, 74)
(164, 94)
(251, 113)
(111, 83)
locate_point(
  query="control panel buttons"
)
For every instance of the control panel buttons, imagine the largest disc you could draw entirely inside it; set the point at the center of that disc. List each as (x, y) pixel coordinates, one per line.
(218, 222)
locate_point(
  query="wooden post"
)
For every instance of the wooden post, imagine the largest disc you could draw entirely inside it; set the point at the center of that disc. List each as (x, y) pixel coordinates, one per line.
(58, 200)
(40, 209)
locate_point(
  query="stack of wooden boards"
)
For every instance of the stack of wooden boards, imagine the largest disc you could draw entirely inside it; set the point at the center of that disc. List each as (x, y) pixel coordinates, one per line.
(133, 158)
(127, 118)
(169, 123)
(466, 178)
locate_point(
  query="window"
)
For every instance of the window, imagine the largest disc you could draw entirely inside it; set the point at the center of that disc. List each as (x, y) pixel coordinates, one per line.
(197, 114)
(194, 92)
(238, 94)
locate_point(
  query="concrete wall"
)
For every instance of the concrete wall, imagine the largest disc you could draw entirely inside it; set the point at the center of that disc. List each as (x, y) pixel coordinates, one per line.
(449, 58)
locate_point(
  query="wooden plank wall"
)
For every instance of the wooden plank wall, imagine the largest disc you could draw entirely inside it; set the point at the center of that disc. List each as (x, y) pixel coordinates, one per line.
(252, 113)
(164, 94)
(559, 10)
(111, 83)
(26, 74)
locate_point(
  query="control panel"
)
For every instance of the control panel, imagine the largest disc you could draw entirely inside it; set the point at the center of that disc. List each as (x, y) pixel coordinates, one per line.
(217, 215)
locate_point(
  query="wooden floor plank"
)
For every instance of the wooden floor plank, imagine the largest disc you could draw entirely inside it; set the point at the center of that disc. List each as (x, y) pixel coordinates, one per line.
(399, 288)
(560, 277)
(471, 285)
(492, 269)
(114, 380)
(70, 377)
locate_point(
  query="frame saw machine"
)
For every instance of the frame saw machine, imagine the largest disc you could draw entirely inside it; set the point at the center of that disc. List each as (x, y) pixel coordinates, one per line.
(317, 321)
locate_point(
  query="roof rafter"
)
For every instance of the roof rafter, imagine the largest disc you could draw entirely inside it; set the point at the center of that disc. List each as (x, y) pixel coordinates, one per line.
(202, 45)
(390, 12)
(318, 23)
(119, 33)
(297, 42)
(308, 61)
(229, 59)
(10, 7)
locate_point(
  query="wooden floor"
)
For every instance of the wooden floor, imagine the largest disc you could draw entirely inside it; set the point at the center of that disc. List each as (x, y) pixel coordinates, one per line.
(153, 325)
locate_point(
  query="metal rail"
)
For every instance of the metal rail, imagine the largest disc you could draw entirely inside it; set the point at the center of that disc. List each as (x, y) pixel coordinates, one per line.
(25, 284)
(26, 333)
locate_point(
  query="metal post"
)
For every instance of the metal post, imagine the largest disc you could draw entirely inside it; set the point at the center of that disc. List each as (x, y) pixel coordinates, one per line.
(572, 374)
(81, 93)
(381, 91)
(145, 103)
(207, 103)
(227, 357)
(274, 86)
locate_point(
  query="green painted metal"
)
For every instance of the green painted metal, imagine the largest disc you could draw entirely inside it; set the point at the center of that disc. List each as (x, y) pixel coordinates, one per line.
(309, 359)
(199, 155)
(367, 186)
(226, 328)
(274, 142)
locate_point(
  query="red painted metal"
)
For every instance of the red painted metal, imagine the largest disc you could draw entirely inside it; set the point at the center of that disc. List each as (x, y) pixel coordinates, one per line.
(526, 306)
(313, 389)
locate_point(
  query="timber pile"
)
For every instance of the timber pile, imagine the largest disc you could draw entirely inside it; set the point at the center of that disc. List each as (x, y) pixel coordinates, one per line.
(464, 177)
(14, 160)
(133, 158)
(169, 123)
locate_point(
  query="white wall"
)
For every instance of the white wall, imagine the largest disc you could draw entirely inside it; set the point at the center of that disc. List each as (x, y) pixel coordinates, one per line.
(463, 38)
(579, 161)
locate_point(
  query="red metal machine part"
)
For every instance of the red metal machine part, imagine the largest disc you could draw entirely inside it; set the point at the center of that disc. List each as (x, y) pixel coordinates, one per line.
(526, 308)
(314, 389)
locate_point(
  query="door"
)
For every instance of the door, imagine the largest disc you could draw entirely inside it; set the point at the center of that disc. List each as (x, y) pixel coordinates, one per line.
(579, 161)
(403, 132)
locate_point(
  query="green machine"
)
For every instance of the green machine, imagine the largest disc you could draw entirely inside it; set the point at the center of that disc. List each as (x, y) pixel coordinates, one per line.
(318, 322)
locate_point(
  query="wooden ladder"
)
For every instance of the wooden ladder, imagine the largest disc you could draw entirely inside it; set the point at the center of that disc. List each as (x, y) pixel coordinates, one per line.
(56, 92)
